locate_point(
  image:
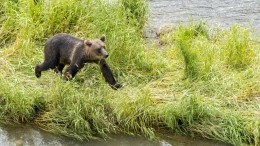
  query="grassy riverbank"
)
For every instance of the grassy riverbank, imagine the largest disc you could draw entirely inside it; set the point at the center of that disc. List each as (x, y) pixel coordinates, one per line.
(200, 82)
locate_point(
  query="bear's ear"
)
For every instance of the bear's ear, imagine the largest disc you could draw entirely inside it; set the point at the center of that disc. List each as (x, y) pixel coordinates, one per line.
(103, 38)
(88, 43)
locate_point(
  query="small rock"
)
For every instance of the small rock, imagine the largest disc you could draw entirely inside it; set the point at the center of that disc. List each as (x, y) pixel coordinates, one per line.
(19, 142)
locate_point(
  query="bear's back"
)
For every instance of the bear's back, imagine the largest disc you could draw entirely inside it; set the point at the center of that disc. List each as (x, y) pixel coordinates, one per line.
(63, 45)
(62, 40)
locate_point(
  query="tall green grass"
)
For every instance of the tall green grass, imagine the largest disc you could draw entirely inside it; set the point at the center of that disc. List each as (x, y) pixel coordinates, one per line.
(200, 83)
(197, 51)
(237, 51)
(220, 101)
(28, 24)
(136, 10)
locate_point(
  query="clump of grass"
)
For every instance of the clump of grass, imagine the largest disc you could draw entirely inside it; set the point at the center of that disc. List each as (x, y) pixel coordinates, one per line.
(222, 85)
(192, 40)
(237, 51)
(232, 128)
(195, 115)
(18, 104)
(135, 115)
(137, 10)
(80, 114)
(189, 110)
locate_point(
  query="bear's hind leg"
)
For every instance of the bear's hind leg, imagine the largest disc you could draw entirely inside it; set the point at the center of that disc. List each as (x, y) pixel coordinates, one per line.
(45, 66)
(38, 71)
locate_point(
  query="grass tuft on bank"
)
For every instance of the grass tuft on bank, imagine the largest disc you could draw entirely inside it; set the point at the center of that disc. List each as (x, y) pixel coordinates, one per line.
(201, 82)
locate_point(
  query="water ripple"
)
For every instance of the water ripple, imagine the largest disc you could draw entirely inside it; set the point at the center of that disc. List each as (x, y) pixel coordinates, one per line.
(221, 13)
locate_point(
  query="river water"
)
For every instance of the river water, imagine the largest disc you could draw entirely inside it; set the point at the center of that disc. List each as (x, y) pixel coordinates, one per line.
(217, 13)
(27, 135)
(221, 13)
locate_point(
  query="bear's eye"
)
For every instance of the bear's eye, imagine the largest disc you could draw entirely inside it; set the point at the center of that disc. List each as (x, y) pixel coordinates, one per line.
(99, 50)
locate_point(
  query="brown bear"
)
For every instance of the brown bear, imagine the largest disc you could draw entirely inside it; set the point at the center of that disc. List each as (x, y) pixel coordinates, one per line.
(64, 49)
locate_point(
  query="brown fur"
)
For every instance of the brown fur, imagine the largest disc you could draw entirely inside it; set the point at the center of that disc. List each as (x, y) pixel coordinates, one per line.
(64, 49)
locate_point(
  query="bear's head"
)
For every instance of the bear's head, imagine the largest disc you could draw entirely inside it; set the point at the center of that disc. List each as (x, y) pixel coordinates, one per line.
(96, 49)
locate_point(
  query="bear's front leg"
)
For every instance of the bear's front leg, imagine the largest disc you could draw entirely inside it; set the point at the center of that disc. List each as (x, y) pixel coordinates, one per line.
(108, 75)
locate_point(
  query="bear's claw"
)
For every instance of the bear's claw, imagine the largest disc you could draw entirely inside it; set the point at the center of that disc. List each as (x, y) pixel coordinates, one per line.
(116, 86)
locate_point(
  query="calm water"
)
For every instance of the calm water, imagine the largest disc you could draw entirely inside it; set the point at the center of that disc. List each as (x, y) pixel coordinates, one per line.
(215, 12)
(162, 12)
(27, 135)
